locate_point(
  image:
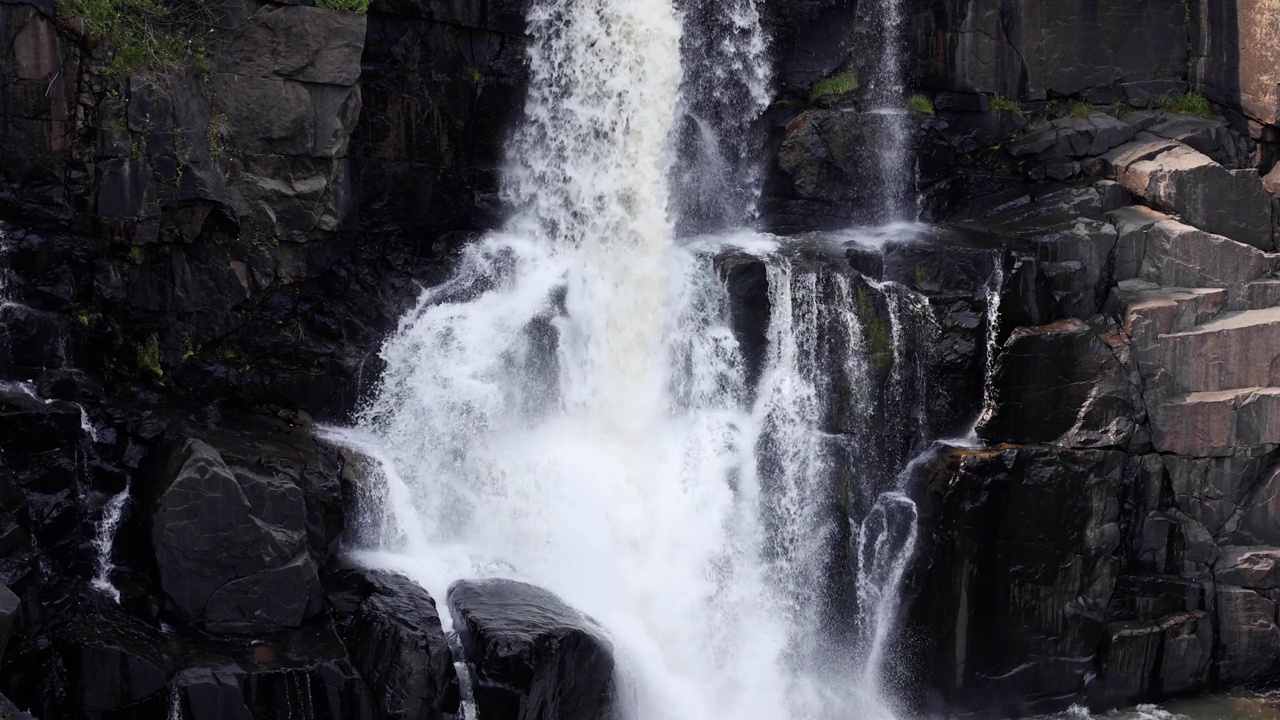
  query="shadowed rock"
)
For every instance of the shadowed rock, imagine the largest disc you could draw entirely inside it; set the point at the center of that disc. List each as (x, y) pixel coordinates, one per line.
(534, 656)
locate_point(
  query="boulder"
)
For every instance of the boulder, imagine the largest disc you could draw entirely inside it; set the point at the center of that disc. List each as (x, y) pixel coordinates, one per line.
(392, 632)
(533, 655)
(231, 546)
(1256, 568)
(1060, 384)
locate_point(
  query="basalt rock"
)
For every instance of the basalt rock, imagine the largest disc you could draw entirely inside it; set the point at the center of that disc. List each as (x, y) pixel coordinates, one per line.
(237, 546)
(392, 631)
(533, 655)
(1061, 384)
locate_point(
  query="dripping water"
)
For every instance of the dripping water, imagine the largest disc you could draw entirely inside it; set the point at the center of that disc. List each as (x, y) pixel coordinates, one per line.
(995, 285)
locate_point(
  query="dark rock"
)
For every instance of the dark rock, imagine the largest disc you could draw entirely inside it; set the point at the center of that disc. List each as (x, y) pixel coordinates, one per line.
(1060, 384)
(296, 673)
(1249, 641)
(9, 711)
(533, 655)
(828, 173)
(231, 546)
(112, 660)
(8, 611)
(392, 631)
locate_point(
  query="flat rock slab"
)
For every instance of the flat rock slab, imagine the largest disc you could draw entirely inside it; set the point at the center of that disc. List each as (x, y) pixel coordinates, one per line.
(1218, 424)
(1176, 178)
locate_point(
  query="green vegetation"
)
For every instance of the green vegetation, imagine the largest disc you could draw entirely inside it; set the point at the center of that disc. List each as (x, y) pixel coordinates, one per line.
(143, 34)
(919, 103)
(1000, 102)
(1081, 109)
(149, 356)
(1120, 110)
(838, 84)
(358, 7)
(1189, 103)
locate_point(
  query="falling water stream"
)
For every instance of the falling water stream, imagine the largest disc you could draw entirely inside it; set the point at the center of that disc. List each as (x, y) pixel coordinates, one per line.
(575, 407)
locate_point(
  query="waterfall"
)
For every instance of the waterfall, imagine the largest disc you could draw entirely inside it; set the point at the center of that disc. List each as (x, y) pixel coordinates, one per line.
(104, 542)
(995, 285)
(573, 406)
(886, 87)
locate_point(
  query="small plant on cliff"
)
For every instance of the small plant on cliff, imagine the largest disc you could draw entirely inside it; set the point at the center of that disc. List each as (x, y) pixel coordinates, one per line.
(143, 34)
(1081, 109)
(149, 356)
(1000, 102)
(838, 84)
(358, 7)
(1189, 103)
(919, 103)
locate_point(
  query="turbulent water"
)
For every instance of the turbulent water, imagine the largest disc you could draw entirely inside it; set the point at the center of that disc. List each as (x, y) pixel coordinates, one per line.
(574, 407)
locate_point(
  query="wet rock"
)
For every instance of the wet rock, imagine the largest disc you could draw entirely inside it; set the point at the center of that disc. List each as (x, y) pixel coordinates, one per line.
(231, 546)
(112, 660)
(392, 631)
(1249, 641)
(533, 655)
(1060, 384)
(828, 175)
(9, 711)
(1023, 566)
(8, 613)
(295, 673)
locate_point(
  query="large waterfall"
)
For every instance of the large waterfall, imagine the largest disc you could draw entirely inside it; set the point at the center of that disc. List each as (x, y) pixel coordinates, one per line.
(576, 408)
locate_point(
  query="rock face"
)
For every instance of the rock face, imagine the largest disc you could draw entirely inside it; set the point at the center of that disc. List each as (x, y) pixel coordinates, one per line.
(533, 656)
(392, 629)
(231, 546)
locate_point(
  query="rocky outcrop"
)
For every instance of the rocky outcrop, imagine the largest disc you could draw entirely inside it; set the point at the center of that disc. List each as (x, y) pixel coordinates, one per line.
(231, 545)
(533, 655)
(392, 630)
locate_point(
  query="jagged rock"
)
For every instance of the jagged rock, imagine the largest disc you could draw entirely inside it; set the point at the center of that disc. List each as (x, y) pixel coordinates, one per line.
(827, 176)
(112, 660)
(1074, 137)
(1156, 248)
(1175, 178)
(302, 43)
(1156, 659)
(1023, 566)
(1060, 384)
(1260, 524)
(1256, 568)
(231, 546)
(296, 673)
(8, 612)
(1249, 641)
(534, 656)
(392, 631)
(9, 711)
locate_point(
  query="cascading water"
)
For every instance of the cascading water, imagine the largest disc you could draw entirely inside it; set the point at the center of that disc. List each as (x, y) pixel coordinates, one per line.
(573, 407)
(104, 542)
(886, 95)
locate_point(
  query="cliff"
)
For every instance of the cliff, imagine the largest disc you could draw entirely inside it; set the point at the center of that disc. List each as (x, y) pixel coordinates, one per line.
(199, 257)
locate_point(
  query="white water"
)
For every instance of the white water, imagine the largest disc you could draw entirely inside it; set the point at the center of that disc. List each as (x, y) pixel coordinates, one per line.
(887, 94)
(104, 542)
(572, 408)
(995, 285)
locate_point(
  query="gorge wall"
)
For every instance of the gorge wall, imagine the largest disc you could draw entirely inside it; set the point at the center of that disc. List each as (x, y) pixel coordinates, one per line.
(195, 263)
